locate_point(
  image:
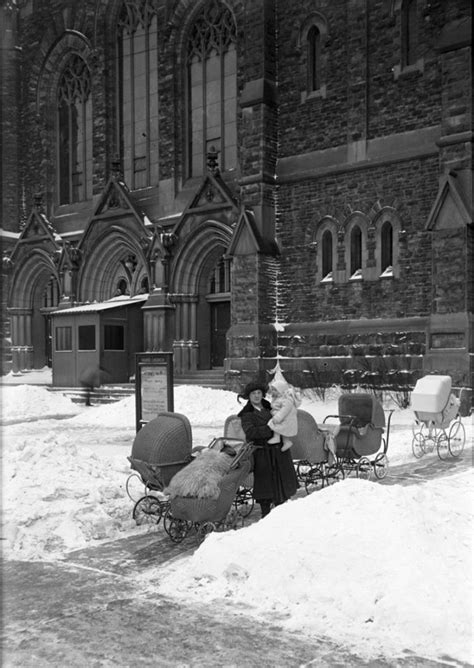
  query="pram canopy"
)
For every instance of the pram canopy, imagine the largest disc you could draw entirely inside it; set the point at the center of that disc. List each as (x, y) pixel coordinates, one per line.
(161, 448)
(362, 421)
(432, 400)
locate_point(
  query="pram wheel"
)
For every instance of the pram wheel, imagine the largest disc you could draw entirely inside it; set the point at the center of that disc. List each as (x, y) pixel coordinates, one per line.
(442, 445)
(364, 468)
(176, 529)
(456, 438)
(203, 530)
(147, 510)
(244, 502)
(417, 445)
(134, 480)
(381, 466)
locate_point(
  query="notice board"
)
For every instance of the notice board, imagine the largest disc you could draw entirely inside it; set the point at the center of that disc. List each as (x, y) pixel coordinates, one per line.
(153, 386)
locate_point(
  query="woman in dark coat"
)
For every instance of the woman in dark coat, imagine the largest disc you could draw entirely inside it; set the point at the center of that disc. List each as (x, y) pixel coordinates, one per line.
(274, 474)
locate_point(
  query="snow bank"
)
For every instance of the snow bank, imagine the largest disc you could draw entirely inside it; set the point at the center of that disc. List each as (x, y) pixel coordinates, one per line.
(30, 401)
(57, 499)
(385, 568)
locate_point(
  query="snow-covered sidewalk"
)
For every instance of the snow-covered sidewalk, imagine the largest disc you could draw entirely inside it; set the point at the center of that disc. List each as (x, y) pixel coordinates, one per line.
(383, 568)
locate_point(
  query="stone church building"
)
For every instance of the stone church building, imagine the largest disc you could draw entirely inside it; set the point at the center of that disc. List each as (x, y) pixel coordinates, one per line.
(241, 182)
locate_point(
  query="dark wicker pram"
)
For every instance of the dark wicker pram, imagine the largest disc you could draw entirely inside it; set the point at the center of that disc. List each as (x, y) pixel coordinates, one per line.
(161, 449)
(210, 514)
(361, 444)
(313, 453)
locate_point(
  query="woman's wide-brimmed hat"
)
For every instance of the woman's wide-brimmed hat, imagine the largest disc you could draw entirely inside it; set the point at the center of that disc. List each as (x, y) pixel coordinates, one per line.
(251, 387)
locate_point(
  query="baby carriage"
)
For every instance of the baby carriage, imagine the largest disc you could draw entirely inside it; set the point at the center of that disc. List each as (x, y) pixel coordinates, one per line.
(314, 454)
(218, 509)
(360, 442)
(161, 450)
(438, 420)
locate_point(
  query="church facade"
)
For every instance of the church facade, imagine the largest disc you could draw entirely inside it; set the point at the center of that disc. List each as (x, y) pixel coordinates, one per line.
(270, 182)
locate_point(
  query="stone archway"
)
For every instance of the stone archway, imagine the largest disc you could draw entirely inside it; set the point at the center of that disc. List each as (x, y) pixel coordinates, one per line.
(113, 257)
(192, 296)
(34, 295)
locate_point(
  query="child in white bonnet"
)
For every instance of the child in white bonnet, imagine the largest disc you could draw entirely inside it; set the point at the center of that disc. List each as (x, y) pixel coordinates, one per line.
(284, 417)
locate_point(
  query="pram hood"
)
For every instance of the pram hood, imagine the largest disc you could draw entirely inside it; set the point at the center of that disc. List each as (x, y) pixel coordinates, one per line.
(431, 394)
(364, 407)
(165, 440)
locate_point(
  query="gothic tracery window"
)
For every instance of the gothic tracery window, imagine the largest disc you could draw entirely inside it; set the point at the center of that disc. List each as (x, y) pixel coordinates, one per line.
(74, 132)
(211, 89)
(137, 54)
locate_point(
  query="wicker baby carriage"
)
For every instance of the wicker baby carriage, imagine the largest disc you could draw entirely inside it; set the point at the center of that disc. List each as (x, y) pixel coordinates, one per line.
(360, 441)
(314, 454)
(160, 449)
(438, 420)
(220, 512)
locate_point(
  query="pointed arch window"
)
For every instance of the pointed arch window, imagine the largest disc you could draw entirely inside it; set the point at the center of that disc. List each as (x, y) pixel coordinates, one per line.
(409, 30)
(211, 71)
(386, 239)
(74, 106)
(219, 280)
(314, 59)
(137, 92)
(326, 252)
(356, 252)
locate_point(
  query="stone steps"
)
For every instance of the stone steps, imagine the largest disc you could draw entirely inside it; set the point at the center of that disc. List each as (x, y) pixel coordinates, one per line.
(213, 378)
(106, 394)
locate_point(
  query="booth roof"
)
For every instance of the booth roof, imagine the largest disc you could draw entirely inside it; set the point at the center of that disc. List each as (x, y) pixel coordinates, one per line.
(95, 307)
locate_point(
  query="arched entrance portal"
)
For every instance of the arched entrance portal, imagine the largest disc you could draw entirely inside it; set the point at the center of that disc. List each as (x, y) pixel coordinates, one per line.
(35, 294)
(200, 291)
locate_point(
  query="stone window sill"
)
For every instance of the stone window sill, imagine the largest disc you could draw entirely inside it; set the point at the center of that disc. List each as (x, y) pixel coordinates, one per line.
(399, 71)
(321, 93)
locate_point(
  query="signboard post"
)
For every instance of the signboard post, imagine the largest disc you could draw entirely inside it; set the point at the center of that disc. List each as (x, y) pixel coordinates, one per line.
(153, 386)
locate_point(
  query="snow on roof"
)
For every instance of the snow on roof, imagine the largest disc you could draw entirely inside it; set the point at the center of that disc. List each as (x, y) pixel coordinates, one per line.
(96, 307)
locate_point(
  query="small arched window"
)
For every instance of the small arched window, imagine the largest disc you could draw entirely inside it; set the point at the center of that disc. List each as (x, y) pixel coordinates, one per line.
(356, 252)
(211, 89)
(137, 86)
(314, 59)
(74, 132)
(409, 30)
(386, 239)
(326, 252)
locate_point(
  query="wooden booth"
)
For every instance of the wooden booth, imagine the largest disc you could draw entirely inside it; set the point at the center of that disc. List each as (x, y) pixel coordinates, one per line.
(105, 334)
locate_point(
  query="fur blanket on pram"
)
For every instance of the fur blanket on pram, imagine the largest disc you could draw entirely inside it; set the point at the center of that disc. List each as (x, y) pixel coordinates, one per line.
(200, 479)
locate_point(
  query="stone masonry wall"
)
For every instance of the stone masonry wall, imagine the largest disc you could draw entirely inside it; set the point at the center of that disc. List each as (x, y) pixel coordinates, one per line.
(413, 187)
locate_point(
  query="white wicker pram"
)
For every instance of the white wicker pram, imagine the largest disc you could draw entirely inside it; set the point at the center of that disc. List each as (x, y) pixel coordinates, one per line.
(437, 419)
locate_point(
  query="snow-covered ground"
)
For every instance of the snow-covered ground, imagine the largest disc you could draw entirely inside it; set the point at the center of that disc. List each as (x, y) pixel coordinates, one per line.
(386, 569)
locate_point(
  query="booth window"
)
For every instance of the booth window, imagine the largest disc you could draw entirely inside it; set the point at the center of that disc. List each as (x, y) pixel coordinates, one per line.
(114, 338)
(211, 89)
(63, 338)
(86, 337)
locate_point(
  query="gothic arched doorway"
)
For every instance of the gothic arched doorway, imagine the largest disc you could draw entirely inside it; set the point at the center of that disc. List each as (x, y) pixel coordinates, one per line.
(200, 291)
